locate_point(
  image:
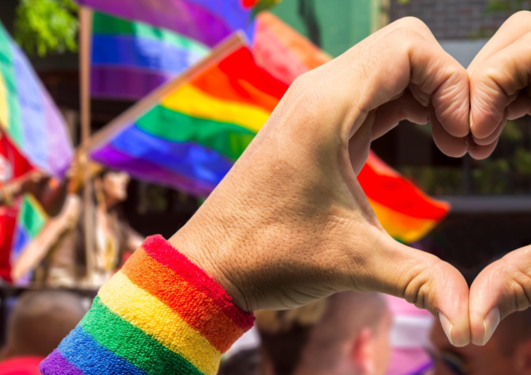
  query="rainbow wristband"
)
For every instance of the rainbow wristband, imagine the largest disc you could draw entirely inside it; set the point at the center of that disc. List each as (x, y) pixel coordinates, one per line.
(160, 314)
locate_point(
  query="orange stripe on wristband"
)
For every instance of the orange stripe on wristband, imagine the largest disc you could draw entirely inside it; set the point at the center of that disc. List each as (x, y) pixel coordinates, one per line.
(183, 298)
(160, 250)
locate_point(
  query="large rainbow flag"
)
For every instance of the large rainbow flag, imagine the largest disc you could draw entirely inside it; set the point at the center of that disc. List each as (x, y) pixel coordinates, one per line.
(131, 58)
(194, 128)
(206, 21)
(188, 133)
(27, 113)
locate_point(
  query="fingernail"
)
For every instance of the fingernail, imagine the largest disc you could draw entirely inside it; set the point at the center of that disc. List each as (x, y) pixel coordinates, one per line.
(471, 120)
(447, 326)
(490, 323)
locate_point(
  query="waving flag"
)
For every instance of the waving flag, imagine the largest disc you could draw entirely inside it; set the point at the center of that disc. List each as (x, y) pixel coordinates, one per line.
(194, 128)
(206, 21)
(130, 58)
(27, 113)
(189, 132)
(404, 210)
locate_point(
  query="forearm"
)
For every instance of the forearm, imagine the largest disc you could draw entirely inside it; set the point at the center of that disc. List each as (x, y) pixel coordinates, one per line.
(160, 314)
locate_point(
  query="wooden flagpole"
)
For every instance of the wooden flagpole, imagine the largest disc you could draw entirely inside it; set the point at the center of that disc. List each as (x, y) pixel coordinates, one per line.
(85, 31)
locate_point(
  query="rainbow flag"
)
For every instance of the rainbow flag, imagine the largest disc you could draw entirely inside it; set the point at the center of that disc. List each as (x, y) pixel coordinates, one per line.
(404, 210)
(131, 58)
(188, 133)
(27, 113)
(195, 127)
(30, 222)
(206, 21)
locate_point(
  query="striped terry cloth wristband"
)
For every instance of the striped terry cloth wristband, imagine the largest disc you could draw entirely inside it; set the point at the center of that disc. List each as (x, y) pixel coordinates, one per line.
(160, 314)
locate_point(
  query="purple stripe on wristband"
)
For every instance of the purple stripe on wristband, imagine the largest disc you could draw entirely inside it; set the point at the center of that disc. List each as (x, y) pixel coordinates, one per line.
(56, 364)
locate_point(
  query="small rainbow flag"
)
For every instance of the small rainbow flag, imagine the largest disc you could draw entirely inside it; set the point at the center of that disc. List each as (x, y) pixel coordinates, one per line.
(27, 113)
(30, 222)
(206, 21)
(188, 133)
(131, 58)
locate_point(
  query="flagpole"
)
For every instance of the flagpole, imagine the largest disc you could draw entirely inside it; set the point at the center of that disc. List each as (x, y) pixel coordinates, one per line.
(85, 31)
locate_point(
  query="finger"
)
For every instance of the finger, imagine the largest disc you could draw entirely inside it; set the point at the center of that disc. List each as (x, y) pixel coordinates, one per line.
(482, 152)
(495, 85)
(520, 107)
(500, 289)
(453, 146)
(425, 65)
(515, 27)
(359, 145)
(404, 108)
(362, 79)
(494, 136)
(426, 281)
(412, 23)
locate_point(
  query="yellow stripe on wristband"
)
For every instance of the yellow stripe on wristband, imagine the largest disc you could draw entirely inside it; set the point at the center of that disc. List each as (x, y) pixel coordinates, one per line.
(143, 310)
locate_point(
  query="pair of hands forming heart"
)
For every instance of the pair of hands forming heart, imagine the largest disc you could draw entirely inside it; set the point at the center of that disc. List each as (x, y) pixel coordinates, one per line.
(290, 223)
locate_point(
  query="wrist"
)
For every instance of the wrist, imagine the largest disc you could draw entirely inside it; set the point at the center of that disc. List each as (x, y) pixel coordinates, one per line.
(207, 247)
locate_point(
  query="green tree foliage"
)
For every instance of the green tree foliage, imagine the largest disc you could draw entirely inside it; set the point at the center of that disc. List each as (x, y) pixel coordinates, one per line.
(507, 6)
(46, 26)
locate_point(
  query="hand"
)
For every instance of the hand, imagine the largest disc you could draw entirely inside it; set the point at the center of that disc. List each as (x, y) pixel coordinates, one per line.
(290, 223)
(499, 78)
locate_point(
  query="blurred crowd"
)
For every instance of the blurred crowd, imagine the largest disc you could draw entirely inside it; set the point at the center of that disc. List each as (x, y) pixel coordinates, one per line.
(346, 334)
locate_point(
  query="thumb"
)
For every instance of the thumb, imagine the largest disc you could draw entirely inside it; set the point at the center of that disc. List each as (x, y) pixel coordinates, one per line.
(429, 283)
(499, 290)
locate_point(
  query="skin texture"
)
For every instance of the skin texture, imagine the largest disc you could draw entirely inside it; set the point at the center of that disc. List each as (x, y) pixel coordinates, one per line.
(290, 223)
(499, 90)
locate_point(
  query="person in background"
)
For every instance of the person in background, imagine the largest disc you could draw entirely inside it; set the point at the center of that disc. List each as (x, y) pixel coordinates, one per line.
(58, 253)
(37, 324)
(507, 352)
(345, 334)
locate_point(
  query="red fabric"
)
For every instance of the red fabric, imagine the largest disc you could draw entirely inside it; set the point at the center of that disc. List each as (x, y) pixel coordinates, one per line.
(11, 158)
(390, 189)
(8, 220)
(249, 3)
(21, 366)
(165, 254)
(12, 165)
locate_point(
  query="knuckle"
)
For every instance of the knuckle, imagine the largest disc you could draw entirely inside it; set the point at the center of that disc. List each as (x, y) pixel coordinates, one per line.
(419, 284)
(307, 96)
(404, 38)
(522, 17)
(517, 286)
(413, 23)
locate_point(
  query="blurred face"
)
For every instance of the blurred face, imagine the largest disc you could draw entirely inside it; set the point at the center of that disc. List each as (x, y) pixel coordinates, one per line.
(491, 359)
(115, 186)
